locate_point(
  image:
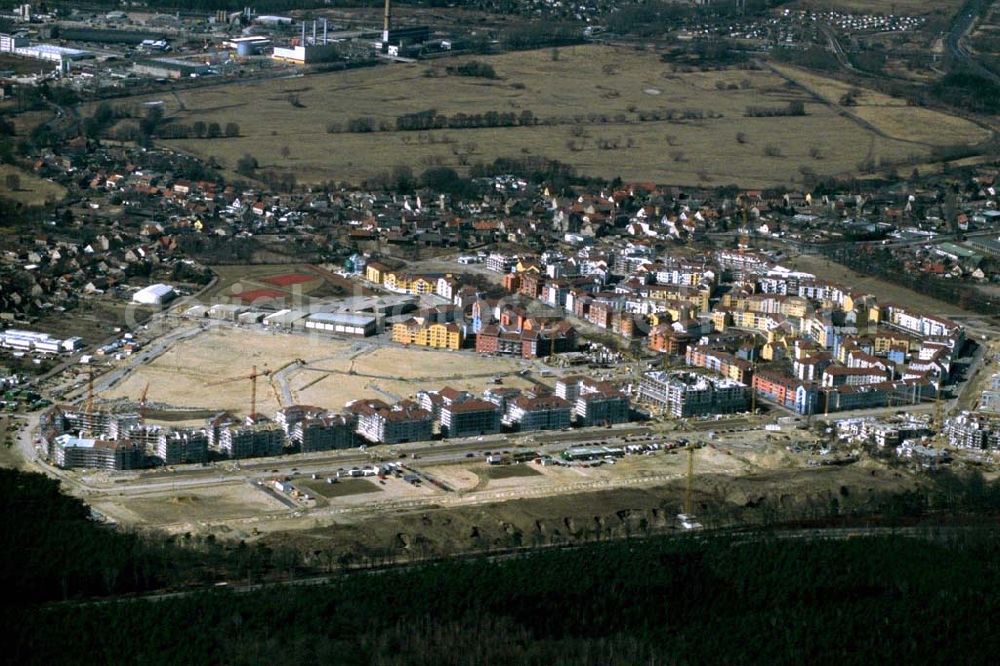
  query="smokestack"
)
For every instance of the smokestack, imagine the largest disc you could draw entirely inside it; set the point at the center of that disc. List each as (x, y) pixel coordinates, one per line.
(303, 33)
(324, 32)
(314, 33)
(388, 21)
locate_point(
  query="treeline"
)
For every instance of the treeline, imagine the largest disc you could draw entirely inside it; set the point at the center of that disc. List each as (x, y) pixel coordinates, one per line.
(749, 599)
(811, 57)
(881, 262)
(199, 130)
(216, 249)
(473, 68)
(431, 120)
(969, 91)
(675, 115)
(793, 108)
(51, 551)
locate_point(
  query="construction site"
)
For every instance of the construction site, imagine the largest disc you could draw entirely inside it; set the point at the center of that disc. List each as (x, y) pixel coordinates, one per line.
(314, 371)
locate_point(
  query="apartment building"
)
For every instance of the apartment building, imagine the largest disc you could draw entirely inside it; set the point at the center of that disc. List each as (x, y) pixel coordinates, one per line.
(182, 446)
(547, 412)
(325, 433)
(252, 441)
(685, 394)
(470, 417)
(85, 453)
(405, 421)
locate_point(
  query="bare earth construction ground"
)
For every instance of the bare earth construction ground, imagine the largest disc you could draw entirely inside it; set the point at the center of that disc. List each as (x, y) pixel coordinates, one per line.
(592, 96)
(336, 371)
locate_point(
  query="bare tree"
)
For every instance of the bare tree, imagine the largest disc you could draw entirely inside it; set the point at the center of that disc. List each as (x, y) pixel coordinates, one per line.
(13, 182)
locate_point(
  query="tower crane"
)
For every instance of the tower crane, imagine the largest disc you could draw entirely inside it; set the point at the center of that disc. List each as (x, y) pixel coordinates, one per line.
(142, 404)
(254, 374)
(687, 519)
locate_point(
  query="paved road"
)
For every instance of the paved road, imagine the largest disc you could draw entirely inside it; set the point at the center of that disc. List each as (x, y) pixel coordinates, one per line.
(960, 27)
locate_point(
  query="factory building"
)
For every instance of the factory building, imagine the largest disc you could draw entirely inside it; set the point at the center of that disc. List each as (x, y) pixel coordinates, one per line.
(308, 50)
(685, 394)
(248, 46)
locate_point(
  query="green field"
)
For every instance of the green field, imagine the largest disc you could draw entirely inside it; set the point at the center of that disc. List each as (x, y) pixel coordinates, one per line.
(510, 471)
(589, 103)
(341, 488)
(32, 190)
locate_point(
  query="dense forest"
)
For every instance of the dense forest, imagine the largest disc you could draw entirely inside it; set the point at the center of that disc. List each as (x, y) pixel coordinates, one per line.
(760, 597)
(755, 600)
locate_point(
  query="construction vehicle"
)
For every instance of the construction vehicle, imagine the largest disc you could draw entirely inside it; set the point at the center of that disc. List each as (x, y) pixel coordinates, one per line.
(254, 374)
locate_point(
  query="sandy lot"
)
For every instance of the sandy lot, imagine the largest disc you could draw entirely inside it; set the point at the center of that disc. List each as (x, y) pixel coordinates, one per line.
(394, 373)
(189, 506)
(336, 372)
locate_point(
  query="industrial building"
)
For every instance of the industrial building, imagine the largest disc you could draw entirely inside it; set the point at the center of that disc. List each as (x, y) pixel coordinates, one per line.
(307, 50)
(154, 294)
(346, 323)
(21, 340)
(19, 45)
(685, 394)
(170, 68)
(248, 46)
